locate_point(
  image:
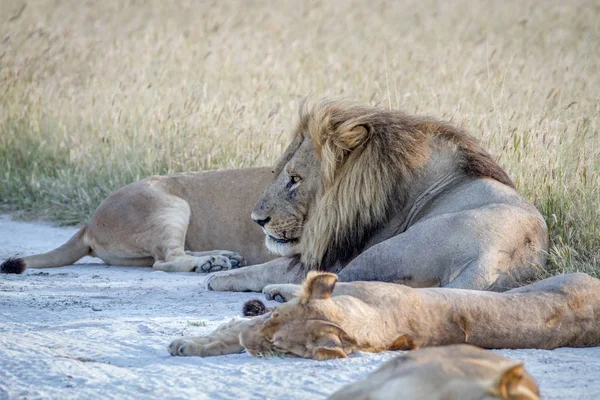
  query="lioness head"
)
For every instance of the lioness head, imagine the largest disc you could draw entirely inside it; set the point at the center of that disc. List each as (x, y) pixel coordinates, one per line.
(302, 327)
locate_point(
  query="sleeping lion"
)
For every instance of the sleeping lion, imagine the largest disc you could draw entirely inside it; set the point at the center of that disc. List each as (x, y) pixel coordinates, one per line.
(172, 223)
(324, 320)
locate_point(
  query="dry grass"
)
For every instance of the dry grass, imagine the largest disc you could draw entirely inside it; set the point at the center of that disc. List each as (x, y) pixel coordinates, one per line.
(94, 95)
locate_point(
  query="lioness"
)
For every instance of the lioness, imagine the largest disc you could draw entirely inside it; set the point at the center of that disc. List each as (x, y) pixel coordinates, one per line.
(375, 194)
(457, 372)
(324, 320)
(166, 222)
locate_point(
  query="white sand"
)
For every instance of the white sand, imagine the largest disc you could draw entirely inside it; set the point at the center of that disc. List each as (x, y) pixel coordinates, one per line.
(91, 331)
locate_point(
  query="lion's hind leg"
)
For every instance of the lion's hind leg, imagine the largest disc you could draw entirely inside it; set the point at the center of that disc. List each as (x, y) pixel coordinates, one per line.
(168, 227)
(187, 263)
(142, 224)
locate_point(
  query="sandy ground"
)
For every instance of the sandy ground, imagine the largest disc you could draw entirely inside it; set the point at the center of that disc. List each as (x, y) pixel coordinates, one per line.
(98, 332)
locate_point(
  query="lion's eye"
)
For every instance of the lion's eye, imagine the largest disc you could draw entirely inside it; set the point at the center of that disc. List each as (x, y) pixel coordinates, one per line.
(293, 180)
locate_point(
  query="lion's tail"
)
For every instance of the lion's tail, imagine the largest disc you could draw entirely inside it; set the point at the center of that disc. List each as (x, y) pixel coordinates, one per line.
(67, 254)
(254, 308)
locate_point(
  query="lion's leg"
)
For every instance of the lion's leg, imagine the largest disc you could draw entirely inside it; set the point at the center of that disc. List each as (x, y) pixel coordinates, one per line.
(143, 224)
(482, 249)
(223, 340)
(168, 240)
(431, 253)
(128, 261)
(255, 277)
(177, 260)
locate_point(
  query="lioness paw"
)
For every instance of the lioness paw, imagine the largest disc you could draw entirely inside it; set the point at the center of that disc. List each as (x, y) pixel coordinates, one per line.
(204, 346)
(235, 259)
(281, 292)
(214, 264)
(181, 347)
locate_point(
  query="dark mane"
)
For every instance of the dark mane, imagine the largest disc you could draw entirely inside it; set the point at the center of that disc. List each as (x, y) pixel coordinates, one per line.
(369, 157)
(477, 161)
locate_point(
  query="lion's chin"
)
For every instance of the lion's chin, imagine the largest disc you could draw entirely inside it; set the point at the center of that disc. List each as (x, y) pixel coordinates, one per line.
(284, 249)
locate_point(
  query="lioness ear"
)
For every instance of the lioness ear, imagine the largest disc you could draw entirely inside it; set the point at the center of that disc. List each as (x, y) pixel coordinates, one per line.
(318, 286)
(508, 384)
(328, 353)
(329, 339)
(404, 342)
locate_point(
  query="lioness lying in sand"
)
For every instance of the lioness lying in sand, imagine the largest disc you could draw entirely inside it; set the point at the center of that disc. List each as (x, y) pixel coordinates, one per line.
(327, 321)
(173, 223)
(457, 372)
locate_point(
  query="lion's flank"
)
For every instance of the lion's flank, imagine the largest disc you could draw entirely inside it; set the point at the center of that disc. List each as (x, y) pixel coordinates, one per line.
(369, 156)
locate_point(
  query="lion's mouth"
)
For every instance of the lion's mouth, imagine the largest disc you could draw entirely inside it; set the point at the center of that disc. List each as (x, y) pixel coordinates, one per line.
(283, 241)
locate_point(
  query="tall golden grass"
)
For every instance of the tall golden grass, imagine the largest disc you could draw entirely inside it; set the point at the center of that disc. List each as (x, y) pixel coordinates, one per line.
(94, 95)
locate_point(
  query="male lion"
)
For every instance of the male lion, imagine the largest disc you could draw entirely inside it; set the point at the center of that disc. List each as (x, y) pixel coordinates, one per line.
(154, 221)
(325, 320)
(457, 372)
(375, 194)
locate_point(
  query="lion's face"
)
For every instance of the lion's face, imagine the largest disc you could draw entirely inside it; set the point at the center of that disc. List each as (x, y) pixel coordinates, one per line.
(298, 330)
(303, 327)
(283, 208)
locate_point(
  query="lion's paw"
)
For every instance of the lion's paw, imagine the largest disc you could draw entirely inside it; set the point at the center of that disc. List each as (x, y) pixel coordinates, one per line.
(235, 259)
(238, 280)
(182, 347)
(213, 264)
(281, 292)
(202, 346)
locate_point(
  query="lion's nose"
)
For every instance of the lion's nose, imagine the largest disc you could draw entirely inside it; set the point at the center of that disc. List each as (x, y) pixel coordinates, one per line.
(262, 222)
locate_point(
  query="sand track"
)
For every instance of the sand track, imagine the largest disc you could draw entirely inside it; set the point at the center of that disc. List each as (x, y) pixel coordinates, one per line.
(97, 332)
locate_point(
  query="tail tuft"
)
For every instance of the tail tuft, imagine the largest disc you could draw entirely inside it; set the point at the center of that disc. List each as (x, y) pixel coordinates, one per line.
(13, 266)
(254, 308)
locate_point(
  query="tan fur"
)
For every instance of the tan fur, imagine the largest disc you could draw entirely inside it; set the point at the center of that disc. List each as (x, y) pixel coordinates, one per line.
(362, 191)
(456, 372)
(173, 223)
(381, 166)
(329, 320)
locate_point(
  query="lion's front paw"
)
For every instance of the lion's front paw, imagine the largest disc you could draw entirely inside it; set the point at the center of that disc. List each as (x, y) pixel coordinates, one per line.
(214, 263)
(182, 347)
(281, 292)
(239, 280)
(205, 346)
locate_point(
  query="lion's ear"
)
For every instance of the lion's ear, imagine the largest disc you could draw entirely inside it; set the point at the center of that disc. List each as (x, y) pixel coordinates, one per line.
(512, 383)
(328, 353)
(350, 135)
(334, 150)
(318, 286)
(404, 342)
(328, 340)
